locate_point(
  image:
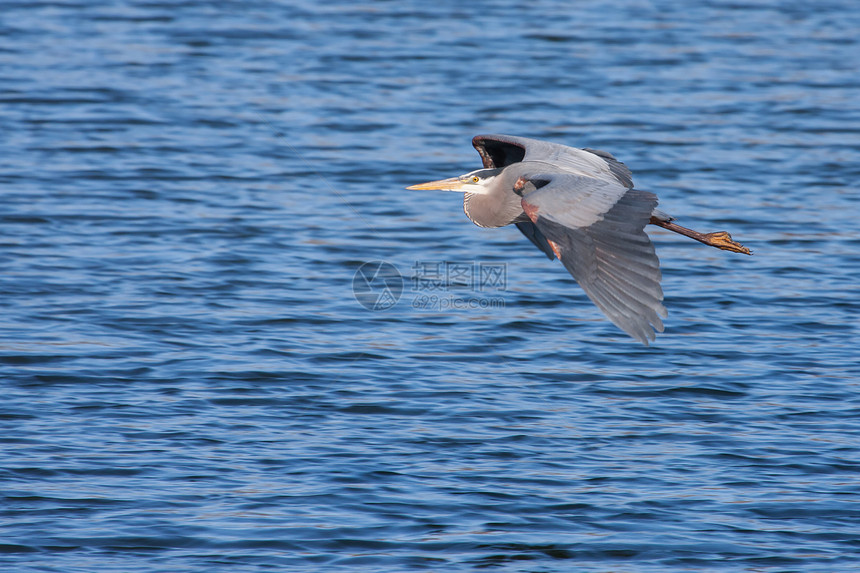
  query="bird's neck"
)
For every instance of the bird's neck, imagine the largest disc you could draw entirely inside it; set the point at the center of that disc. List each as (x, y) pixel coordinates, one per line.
(493, 209)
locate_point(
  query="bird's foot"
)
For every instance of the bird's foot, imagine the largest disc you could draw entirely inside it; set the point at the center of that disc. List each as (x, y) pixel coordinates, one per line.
(722, 240)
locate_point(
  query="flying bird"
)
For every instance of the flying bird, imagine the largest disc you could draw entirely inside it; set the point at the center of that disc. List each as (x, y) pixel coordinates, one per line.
(578, 205)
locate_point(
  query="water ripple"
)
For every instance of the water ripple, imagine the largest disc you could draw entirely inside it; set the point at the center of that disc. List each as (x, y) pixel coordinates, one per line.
(191, 384)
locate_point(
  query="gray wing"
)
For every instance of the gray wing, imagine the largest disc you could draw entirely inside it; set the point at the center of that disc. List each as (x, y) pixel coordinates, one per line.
(610, 257)
(619, 170)
(503, 150)
(575, 201)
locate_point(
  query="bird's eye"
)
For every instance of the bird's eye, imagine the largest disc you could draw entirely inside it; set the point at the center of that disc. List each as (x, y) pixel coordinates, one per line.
(475, 178)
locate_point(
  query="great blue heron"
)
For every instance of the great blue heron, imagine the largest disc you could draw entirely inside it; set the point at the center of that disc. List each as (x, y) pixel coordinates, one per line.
(578, 205)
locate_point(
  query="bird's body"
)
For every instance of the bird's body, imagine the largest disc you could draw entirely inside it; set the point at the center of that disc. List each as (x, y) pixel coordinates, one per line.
(578, 205)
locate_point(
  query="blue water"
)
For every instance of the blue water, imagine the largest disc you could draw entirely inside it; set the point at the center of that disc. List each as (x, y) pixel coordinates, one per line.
(189, 383)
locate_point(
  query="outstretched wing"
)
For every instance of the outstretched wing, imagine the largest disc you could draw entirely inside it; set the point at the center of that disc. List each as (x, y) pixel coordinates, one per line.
(503, 150)
(597, 229)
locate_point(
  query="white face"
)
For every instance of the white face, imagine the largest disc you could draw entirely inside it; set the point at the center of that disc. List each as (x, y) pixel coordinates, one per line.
(477, 181)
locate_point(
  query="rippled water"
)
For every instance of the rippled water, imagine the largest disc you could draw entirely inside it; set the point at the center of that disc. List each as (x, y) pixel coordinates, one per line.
(190, 384)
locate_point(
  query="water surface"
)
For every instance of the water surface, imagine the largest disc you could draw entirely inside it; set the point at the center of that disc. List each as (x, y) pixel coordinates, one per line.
(190, 384)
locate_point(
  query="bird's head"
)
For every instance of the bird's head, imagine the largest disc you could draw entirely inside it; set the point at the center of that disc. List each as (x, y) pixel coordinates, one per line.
(479, 182)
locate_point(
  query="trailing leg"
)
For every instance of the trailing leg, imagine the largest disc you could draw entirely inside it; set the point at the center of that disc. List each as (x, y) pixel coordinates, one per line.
(719, 239)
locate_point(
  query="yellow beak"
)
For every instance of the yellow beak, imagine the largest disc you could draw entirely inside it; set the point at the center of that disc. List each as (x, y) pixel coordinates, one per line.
(452, 184)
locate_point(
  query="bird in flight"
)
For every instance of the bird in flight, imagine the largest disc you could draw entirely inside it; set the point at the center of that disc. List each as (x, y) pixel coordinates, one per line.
(578, 205)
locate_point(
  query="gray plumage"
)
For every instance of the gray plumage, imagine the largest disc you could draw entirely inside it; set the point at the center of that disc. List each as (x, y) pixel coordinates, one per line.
(585, 204)
(578, 205)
